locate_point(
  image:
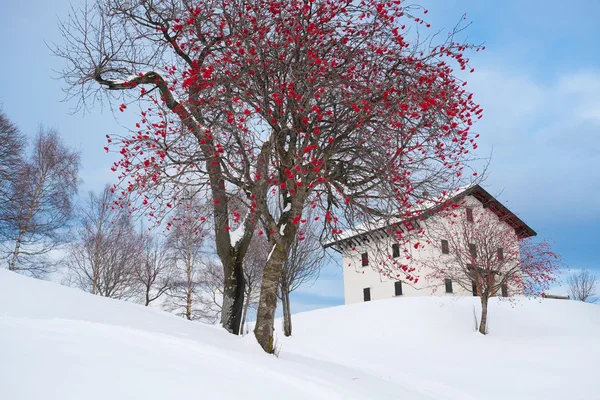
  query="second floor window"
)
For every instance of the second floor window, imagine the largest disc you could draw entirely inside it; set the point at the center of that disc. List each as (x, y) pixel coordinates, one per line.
(445, 247)
(469, 214)
(395, 250)
(365, 259)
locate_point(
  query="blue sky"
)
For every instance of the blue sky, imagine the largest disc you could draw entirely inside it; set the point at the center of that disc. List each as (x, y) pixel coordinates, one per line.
(538, 82)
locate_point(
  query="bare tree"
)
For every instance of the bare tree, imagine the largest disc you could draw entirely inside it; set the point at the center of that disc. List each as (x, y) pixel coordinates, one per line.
(153, 272)
(484, 255)
(41, 203)
(582, 286)
(103, 258)
(254, 263)
(210, 293)
(302, 266)
(185, 243)
(12, 144)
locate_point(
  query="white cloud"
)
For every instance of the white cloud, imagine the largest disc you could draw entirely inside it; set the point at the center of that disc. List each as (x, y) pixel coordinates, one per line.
(545, 138)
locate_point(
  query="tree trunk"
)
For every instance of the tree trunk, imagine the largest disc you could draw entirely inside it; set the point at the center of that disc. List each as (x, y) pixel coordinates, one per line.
(13, 262)
(484, 310)
(244, 315)
(188, 304)
(233, 296)
(287, 314)
(265, 318)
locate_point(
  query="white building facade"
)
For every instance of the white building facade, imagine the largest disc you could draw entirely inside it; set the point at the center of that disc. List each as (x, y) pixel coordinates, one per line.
(362, 254)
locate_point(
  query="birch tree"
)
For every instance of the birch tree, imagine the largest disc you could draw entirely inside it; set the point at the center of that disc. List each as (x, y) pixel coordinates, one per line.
(12, 145)
(103, 258)
(41, 204)
(185, 242)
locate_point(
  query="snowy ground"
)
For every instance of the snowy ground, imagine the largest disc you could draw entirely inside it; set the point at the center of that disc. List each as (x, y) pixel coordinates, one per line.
(60, 343)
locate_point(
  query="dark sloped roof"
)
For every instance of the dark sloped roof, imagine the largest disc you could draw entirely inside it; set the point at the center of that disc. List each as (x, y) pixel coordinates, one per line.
(483, 196)
(521, 228)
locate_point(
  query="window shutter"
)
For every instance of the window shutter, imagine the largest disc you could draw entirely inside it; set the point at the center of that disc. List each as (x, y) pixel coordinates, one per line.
(469, 214)
(504, 290)
(448, 283)
(396, 250)
(474, 288)
(365, 259)
(445, 247)
(500, 254)
(367, 294)
(398, 288)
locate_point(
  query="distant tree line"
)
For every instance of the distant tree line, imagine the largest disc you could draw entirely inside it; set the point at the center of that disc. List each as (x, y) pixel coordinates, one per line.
(98, 247)
(37, 190)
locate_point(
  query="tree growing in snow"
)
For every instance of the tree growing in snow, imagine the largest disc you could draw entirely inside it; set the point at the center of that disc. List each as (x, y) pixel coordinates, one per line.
(254, 264)
(302, 266)
(337, 104)
(153, 272)
(193, 294)
(103, 258)
(582, 285)
(486, 257)
(12, 144)
(40, 204)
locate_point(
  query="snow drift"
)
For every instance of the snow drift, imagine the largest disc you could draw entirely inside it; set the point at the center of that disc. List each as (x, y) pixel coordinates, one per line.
(61, 343)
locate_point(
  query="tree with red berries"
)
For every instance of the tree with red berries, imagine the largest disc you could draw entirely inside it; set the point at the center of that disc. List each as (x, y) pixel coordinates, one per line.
(486, 256)
(340, 105)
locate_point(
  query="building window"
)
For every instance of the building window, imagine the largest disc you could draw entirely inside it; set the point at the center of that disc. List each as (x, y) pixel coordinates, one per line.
(474, 288)
(365, 259)
(367, 294)
(398, 288)
(395, 250)
(448, 283)
(469, 214)
(500, 254)
(445, 247)
(504, 290)
(473, 250)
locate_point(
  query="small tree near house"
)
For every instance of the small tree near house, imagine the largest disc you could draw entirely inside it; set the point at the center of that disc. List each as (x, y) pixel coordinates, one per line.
(485, 256)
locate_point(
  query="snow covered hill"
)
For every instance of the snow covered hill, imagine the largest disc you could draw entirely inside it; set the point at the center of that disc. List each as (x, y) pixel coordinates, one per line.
(60, 343)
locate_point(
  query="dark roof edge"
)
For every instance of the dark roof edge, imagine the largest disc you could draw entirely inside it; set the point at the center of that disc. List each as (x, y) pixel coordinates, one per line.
(525, 230)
